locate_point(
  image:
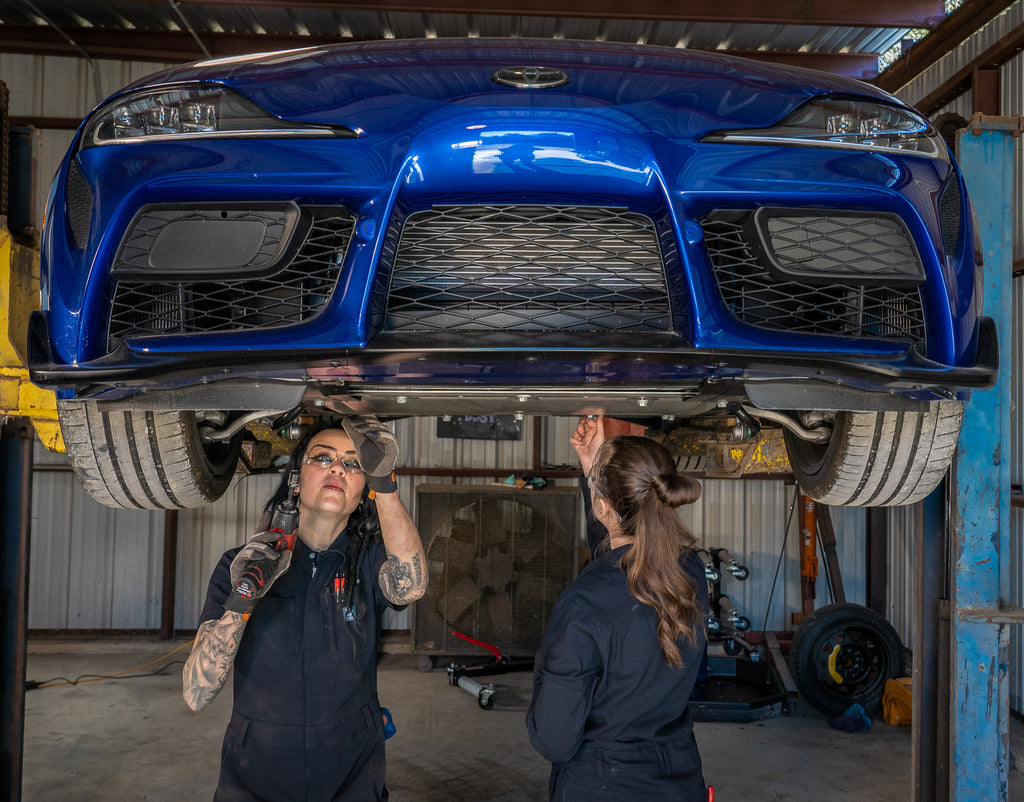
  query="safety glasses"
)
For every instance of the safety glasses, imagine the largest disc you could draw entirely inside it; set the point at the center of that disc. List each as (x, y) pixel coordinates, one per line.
(325, 459)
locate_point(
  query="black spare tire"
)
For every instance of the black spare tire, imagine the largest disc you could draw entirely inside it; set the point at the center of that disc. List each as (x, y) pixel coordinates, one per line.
(843, 654)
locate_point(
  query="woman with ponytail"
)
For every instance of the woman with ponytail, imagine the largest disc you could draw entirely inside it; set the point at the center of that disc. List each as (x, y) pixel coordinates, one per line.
(625, 641)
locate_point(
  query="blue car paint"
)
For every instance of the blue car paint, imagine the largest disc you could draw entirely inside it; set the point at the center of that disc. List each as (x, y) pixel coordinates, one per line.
(624, 133)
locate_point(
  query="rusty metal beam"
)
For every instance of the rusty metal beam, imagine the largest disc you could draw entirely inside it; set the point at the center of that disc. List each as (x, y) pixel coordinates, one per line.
(985, 91)
(971, 17)
(866, 13)
(958, 83)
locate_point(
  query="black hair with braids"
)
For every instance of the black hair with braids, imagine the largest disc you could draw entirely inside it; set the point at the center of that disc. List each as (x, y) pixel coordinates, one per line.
(363, 524)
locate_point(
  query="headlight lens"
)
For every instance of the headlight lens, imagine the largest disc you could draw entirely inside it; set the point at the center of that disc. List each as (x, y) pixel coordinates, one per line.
(198, 111)
(844, 123)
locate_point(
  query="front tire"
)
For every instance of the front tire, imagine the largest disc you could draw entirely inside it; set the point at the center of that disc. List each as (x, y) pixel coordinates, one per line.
(145, 459)
(878, 459)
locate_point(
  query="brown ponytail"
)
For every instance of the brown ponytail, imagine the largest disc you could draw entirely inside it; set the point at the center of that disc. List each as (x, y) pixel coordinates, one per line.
(639, 479)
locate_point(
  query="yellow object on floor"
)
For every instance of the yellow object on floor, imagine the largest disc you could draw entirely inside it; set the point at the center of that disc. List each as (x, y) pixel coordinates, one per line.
(897, 704)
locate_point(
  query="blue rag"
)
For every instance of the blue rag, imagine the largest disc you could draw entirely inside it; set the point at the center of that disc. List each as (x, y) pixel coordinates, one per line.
(854, 719)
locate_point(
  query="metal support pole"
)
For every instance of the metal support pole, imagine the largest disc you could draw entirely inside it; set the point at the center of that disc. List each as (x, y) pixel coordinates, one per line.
(930, 716)
(979, 704)
(170, 574)
(16, 440)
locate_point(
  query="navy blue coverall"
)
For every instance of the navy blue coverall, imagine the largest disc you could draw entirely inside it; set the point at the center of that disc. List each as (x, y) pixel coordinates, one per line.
(306, 723)
(607, 711)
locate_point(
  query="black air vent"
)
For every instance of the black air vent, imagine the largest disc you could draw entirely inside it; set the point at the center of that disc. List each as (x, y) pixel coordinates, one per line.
(296, 292)
(757, 294)
(535, 268)
(79, 203)
(950, 204)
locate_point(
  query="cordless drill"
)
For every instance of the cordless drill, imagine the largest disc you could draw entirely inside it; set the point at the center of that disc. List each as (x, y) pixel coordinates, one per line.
(285, 521)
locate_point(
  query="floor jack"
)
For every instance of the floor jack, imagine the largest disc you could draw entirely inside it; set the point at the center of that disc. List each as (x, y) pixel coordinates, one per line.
(461, 675)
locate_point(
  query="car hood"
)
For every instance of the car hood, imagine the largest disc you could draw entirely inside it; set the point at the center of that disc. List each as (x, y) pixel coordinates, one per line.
(376, 87)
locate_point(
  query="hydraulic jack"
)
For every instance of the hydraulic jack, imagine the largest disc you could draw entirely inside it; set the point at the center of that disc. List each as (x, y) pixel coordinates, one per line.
(461, 675)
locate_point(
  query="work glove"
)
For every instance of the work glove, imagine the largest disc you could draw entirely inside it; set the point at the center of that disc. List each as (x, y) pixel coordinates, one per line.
(376, 449)
(254, 570)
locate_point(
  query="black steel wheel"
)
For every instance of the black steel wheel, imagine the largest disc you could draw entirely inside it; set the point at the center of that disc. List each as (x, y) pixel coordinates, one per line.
(843, 654)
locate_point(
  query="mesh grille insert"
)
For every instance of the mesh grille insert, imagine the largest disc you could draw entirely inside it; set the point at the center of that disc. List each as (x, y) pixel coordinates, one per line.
(759, 297)
(79, 206)
(295, 293)
(539, 268)
(949, 215)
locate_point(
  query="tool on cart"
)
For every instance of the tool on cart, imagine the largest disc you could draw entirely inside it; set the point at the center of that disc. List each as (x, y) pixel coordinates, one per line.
(724, 558)
(710, 569)
(285, 522)
(461, 675)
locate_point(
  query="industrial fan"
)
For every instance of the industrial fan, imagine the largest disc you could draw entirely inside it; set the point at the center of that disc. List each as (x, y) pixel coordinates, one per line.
(498, 558)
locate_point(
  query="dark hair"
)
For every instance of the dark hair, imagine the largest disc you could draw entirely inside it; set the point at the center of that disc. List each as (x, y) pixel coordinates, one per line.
(363, 524)
(638, 477)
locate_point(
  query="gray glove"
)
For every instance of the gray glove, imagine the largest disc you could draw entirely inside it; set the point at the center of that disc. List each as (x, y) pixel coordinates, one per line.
(254, 570)
(376, 449)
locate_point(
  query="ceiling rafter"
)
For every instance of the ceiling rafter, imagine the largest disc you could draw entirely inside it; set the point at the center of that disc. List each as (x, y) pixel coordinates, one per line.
(958, 83)
(971, 17)
(864, 13)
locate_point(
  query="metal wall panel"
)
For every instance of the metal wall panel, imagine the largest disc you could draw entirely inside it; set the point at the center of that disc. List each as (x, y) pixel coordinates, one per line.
(900, 570)
(998, 28)
(901, 574)
(94, 567)
(62, 87)
(91, 567)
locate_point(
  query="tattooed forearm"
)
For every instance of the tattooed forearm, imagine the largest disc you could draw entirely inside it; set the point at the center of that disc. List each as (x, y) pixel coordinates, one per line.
(402, 581)
(213, 654)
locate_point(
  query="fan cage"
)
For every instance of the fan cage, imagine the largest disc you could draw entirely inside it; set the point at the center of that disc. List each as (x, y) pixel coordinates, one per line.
(498, 558)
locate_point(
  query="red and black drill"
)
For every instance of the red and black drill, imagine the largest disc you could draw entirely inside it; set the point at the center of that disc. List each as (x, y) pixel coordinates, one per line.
(284, 521)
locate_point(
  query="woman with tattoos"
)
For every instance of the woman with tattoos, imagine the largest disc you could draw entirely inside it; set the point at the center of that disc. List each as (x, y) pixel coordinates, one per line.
(302, 637)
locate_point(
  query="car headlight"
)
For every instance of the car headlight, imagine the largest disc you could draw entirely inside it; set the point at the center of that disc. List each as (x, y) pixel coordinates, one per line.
(845, 123)
(195, 111)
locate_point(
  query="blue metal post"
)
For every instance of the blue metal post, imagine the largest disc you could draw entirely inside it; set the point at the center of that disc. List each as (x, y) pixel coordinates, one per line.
(979, 617)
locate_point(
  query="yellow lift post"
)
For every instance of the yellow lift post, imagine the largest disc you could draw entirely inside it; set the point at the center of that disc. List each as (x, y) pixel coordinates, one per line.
(19, 296)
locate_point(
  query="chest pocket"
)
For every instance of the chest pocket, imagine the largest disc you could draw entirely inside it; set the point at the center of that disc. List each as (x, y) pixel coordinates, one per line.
(274, 634)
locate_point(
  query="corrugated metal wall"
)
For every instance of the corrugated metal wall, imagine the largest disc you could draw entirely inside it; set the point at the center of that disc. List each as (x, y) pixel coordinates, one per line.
(53, 86)
(96, 568)
(901, 541)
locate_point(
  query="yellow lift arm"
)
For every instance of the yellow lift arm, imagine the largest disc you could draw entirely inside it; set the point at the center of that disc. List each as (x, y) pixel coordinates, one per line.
(19, 296)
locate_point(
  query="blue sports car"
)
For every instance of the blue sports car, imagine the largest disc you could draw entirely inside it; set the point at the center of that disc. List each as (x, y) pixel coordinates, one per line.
(507, 226)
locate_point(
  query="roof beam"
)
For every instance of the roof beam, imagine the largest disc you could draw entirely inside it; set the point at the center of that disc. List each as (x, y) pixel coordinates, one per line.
(861, 14)
(178, 46)
(967, 20)
(958, 83)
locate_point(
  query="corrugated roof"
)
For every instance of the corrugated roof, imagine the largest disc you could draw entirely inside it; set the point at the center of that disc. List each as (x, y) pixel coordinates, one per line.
(848, 42)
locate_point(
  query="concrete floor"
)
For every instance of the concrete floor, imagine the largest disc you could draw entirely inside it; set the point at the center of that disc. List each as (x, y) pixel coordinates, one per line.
(134, 739)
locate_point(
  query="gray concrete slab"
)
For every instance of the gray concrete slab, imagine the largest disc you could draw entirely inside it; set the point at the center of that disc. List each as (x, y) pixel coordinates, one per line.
(134, 739)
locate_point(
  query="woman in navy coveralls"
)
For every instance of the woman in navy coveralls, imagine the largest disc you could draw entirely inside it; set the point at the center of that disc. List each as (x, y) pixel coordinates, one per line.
(622, 649)
(306, 723)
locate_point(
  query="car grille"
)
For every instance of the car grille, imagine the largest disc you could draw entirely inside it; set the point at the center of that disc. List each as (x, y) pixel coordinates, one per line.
(950, 204)
(536, 268)
(297, 292)
(865, 300)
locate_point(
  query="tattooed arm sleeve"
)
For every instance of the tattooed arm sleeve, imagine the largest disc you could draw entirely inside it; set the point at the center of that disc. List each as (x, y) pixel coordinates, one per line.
(403, 577)
(213, 654)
